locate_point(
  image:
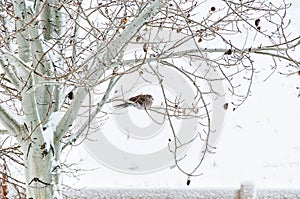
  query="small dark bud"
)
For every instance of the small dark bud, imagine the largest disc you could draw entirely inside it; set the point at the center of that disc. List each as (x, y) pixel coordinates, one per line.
(213, 9)
(257, 22)
(188, 182)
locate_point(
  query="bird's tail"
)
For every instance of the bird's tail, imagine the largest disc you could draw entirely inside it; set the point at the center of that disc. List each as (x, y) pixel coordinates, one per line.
(123, 105)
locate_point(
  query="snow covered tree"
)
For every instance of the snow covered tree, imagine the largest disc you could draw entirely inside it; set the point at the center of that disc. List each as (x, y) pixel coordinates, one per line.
(54, 53)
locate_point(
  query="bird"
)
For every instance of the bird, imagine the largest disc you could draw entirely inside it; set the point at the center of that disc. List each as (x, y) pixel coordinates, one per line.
(139, 101)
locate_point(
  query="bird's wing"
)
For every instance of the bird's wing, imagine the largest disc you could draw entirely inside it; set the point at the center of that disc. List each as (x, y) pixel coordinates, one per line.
(135, 98)
(138, 99)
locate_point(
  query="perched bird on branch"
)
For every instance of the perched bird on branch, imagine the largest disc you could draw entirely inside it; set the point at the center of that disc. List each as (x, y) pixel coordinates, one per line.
(139, 101)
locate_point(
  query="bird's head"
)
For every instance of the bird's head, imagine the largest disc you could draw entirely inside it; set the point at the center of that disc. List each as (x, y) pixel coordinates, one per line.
(150, 97)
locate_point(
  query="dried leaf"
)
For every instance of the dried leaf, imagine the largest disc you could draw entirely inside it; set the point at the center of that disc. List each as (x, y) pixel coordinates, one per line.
(217, 28)
(124, 20)
(257, 22)
(225, 106)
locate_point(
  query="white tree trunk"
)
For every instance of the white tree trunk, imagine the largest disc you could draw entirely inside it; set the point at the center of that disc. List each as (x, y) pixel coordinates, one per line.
(42, 172)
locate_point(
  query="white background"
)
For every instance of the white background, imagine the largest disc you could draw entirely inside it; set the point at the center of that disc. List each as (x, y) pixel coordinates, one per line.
(260, 142)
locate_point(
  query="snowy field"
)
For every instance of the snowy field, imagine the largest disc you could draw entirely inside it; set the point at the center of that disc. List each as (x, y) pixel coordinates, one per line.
(259, 144)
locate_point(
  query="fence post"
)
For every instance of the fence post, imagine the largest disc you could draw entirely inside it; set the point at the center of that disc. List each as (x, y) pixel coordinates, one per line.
(248, 191)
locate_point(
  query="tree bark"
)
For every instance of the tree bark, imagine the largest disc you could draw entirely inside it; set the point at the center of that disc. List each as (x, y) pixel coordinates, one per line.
(42, 171)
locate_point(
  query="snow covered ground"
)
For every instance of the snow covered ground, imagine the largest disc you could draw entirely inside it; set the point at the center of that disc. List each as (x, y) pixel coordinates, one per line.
(260, 144)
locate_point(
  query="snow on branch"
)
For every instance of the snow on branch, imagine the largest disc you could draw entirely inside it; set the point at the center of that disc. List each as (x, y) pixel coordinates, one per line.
(14, 68)
(11, 121)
